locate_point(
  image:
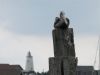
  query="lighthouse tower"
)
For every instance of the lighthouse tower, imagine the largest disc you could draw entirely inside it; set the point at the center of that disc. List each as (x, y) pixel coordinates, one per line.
(29, 62)
(29, 70)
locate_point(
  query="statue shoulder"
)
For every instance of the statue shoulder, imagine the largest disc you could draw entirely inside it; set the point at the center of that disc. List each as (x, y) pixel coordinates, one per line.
(57, 19)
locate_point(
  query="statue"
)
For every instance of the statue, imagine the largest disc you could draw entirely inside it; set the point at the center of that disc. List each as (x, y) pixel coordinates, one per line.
(62, 21)
(64, 61)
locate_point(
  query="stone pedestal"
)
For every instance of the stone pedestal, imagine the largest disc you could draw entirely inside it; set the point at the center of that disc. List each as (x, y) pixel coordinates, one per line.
(62, 66)
(64, 61)
(63, 42)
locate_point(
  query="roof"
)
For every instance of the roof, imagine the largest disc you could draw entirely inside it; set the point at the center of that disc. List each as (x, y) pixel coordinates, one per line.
(85, 68)
(6, 69)
(17, 67)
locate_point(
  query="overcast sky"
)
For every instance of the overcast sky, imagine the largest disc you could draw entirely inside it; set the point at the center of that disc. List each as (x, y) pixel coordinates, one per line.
(27, 25)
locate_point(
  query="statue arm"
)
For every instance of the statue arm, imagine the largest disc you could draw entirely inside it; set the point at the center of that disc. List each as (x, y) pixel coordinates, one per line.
(56, 20)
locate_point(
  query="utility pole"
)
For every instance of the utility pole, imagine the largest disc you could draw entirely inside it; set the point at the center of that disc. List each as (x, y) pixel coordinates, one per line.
(99, 52)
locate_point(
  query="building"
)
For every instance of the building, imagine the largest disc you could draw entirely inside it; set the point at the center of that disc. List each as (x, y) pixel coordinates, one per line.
(85, 70)
(6, 69)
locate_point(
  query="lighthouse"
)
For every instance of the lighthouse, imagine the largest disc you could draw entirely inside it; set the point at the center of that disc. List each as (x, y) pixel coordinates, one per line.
(29, 62)
(29, 69)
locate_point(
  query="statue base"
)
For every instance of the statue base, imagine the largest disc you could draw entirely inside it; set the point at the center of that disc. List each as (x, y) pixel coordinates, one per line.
(62, 65)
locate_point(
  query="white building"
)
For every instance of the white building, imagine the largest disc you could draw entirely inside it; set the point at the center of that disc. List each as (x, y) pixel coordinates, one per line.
(29, 69)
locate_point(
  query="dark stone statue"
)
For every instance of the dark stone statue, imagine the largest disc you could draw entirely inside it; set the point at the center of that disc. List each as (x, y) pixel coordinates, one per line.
(62, 21)
(64, 61)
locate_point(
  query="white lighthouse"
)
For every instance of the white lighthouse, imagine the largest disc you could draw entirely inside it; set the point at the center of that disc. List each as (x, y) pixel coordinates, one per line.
(29, 62)
(29, 69)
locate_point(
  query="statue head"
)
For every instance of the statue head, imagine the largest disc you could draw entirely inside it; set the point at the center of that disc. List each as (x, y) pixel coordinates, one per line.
(62, 14)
